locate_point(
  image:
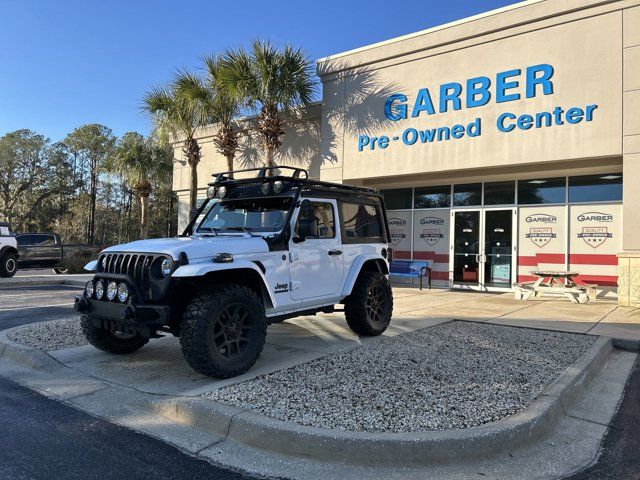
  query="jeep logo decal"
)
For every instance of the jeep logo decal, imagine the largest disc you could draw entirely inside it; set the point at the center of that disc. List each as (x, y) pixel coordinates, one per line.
(281, 287)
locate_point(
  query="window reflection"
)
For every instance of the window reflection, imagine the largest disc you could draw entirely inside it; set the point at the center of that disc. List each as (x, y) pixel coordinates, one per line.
(596, 188)
(467, 194)
(433, 197)
(537, 191)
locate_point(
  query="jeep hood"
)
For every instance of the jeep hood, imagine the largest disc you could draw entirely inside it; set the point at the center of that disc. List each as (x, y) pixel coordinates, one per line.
(195, 247)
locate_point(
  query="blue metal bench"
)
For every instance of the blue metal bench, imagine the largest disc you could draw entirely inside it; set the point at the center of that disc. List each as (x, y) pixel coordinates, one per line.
(412, 269)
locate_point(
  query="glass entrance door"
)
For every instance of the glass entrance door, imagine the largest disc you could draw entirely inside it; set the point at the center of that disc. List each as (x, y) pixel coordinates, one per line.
(483, 249)
(466, 248)
(498, 248)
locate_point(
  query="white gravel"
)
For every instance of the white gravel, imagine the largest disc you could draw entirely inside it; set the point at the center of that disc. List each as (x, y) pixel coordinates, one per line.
(49, 336)
(454, 375)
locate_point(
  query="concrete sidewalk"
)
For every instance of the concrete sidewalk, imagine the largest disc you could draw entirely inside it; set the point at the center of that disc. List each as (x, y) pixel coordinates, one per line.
(601, 317)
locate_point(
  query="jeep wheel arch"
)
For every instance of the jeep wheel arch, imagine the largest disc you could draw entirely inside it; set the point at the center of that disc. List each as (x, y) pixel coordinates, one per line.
(241, 273)
(364, 263)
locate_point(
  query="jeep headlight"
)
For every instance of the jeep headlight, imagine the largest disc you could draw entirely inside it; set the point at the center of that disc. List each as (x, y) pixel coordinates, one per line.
(99, 289)
(123, 292)
(165, 267)
(88, 289)
(112, 290)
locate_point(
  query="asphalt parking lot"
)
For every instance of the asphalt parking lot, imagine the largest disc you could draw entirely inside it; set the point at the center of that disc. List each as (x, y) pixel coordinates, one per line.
(24, 304)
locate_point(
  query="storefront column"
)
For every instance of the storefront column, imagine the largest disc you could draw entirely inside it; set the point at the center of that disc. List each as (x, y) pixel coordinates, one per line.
(629, 259)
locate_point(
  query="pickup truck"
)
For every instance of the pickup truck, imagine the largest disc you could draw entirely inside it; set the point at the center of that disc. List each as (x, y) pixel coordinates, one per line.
(45, 250)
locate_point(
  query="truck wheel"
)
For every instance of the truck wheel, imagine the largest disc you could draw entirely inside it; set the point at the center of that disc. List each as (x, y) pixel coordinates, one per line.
(369, 307)
(8, 265)
(223, 331)
(111, 342)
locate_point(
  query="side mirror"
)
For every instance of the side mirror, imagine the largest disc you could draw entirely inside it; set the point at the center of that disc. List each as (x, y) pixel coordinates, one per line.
(298, 239)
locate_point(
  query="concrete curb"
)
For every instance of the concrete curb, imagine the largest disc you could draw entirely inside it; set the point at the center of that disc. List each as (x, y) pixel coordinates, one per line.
(364, 449)
(392, 449)
(25, 356)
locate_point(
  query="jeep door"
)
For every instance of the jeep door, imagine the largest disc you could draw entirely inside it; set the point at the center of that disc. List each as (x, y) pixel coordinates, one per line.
(315, 255)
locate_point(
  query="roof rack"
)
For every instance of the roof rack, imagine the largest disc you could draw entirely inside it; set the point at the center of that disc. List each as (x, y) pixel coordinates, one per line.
(296, 178)
(262, 172)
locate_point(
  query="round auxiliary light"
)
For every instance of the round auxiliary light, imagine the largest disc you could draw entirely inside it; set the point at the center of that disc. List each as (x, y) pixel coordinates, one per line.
(112, 290)
(99, 289)
(123, 292)
(265, 187)
(211, 192)
(222, 191)
(88, 289)
(277, 186)
(165, 267)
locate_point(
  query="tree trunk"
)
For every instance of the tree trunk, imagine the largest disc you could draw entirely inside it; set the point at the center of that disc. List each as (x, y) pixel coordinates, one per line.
(144, 215)
(230, 164)
(92, 209)
(270, 155)
(193, 193)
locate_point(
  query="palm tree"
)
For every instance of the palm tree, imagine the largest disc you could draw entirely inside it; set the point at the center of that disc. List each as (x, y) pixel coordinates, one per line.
(219, 106)
(138, 161)
(269, 81)
(178, 115)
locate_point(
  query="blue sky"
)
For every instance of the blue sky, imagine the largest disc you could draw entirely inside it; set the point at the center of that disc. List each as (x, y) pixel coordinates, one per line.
(66, 63)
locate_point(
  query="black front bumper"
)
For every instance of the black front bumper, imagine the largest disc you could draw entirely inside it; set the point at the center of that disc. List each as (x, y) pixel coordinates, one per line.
(133, 316)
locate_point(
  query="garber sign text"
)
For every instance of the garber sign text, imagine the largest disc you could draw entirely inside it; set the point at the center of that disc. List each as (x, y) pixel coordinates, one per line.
(507, 86)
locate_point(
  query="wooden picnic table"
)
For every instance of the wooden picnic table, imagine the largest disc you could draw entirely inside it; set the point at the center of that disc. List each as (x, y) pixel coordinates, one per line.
(557, 282)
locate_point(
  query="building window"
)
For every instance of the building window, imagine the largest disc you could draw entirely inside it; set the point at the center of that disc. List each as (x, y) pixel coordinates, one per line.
(500, 193)
(433, 197)
(596, 188)
(537, 191)
(467, 194)
(397, 199)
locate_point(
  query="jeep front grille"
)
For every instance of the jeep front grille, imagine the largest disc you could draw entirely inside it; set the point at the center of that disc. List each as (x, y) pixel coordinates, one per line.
(137, 266)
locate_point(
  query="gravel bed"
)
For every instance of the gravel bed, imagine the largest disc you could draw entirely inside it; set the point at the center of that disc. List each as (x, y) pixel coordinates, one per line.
(453, 375)
(49, 336)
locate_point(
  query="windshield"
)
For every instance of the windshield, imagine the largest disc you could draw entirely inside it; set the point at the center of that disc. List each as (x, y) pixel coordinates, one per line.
(266, 214)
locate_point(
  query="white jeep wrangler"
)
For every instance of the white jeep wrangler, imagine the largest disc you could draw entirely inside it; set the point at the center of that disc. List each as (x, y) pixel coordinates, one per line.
(8, 251)
(260, 250)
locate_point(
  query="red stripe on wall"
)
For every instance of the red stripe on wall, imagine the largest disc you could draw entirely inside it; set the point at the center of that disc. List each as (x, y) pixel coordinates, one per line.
(436, 257)
(526, 278)
(440, 276)
(402, 255)
(600, 280)
(592, 259)
(532, 261)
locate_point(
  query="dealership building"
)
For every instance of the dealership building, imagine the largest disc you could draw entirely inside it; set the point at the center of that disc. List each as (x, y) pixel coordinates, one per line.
(503, 143)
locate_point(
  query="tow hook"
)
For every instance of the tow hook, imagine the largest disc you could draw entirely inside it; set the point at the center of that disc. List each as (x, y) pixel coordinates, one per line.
(80, 305)
(128, 313)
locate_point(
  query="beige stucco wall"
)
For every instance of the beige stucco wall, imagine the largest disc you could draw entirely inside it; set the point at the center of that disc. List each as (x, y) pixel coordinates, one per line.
(300, 148)
(629, 259)
(585, 51)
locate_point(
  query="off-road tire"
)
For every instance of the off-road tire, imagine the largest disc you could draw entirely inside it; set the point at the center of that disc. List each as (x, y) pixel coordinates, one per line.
(210, 332)
(109, 342)
(8, 265)
(369, 308)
